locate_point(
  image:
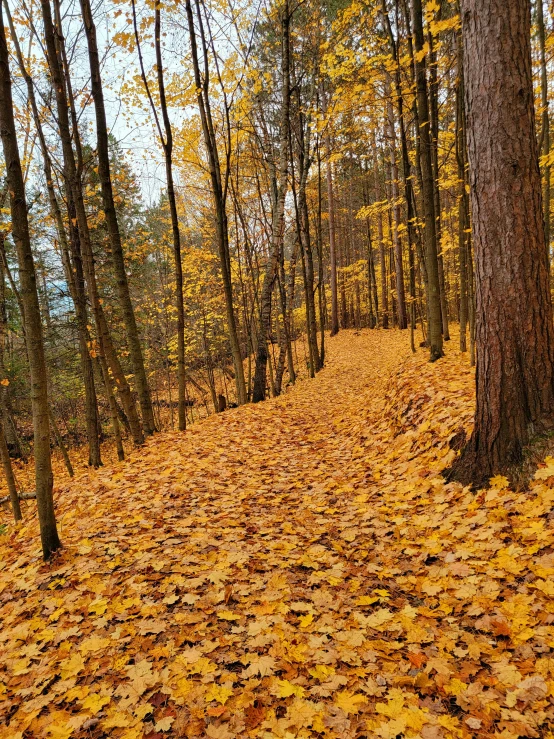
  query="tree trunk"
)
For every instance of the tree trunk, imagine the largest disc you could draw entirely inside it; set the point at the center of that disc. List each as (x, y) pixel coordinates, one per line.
(434, 115)
(60, 443)
(110, 215)
(74, 274)
(219, 191)
(166, 139)
(431, 259)
(8, 472)
(278, 215)
(514, 331)
(396, 240)
(332, 243)
(6, 416)
(544, 149)
(463, 204)
(33, 328)
(72, 176)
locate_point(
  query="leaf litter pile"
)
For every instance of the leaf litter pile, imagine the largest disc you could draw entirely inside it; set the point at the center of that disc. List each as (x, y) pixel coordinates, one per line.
(297, 568)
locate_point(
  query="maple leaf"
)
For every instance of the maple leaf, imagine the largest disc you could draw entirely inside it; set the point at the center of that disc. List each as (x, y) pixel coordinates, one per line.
(543, 473)
(219, 732)
(164, 724)
(141, 676)
(306, 620)
(117, 720)
(219, 693)
(349, 702)
(262, 666)
(321, 672)
(95, 702)
(393, 707)
(94, 644)
(71, 666)
(228, 615)
(150, 626)
(285, 689)
(499, 482)
(377, 619)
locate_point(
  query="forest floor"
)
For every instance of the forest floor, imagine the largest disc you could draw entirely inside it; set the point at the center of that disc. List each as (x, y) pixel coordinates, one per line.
(297, 568)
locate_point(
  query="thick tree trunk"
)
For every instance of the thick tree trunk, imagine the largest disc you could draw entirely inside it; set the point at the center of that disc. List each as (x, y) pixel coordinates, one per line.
(135, 350)
(29, 295)
(514, 331)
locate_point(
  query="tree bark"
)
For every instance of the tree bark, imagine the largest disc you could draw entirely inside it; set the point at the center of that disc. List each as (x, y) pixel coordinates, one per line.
(396, 239)
(219, 190)
(514, 330)
(431, 259)
(463, 202)
(29, 295)
(278, 215)
(8, 472)
(166, 140)
(544, 148)
(434, 115)
(112, 224)
(332, 241)
(72, 176)
(73, 274)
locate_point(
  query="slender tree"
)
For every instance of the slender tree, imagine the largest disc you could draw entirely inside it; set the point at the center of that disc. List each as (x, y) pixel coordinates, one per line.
(219, 179)
(72, 170)
(76, 286)
(166, 140)
(278, 211)
(32, 319)
(431, 258)
(110, 214)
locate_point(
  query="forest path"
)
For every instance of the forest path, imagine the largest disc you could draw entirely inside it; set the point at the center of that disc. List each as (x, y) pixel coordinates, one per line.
(296, 568)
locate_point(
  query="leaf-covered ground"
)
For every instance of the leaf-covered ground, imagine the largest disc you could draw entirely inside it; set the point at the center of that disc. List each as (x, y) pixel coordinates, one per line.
(293, 569)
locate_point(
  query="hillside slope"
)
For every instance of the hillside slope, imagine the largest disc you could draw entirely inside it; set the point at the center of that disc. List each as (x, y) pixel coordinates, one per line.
(292, 569)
